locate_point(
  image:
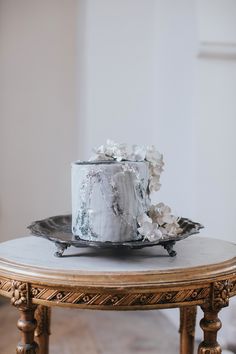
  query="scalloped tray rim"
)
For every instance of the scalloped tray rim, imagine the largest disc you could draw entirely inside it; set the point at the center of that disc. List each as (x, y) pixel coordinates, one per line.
(70, 241)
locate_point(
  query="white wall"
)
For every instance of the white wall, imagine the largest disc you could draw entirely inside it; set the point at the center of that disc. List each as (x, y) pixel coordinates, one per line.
(216, 147)
(215, 118)
(138, 69)
(37, 110)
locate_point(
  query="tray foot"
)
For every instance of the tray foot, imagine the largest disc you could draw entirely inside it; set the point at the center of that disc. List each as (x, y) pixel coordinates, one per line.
(169, 247)
(61, 247)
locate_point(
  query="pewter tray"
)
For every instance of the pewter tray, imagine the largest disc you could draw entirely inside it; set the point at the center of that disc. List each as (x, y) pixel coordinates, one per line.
(58, 230)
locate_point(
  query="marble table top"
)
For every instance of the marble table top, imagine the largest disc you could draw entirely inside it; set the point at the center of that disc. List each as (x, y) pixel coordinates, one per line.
(195, 251)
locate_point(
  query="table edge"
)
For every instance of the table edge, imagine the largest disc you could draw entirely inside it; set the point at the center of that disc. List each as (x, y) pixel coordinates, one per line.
(108, 279)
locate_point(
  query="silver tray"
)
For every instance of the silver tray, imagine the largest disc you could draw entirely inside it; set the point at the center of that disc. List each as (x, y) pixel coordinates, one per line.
(58, 230)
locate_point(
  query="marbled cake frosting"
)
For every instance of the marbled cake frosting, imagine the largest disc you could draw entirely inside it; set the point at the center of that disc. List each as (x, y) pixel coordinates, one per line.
(107, 198)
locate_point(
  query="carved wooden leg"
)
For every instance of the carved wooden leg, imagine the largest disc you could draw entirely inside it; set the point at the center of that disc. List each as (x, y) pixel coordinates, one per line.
(27, 325)
(42, 331)
(220, 294)
(187, 329)
(210, 324)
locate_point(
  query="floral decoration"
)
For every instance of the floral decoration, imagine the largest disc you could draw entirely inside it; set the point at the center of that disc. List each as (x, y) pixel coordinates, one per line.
(122, 152)
(148, 228)
(158, 221)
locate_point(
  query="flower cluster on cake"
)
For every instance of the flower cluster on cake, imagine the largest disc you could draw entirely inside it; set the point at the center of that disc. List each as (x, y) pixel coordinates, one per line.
(111, 196)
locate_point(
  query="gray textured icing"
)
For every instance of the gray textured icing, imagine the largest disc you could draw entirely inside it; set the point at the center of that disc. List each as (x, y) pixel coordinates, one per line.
(107, 197)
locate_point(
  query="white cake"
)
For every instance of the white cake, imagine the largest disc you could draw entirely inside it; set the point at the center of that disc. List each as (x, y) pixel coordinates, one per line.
(107, 199)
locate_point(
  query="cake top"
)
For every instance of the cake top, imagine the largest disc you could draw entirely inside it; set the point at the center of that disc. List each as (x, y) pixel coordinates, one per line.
(112, 151)
(158, 221)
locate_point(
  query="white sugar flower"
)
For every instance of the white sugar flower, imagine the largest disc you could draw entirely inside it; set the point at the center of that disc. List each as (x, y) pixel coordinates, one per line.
(138, 153)
(100, 154)
(121, 153)
(156, 164)
(117, 151)
(155, 170)
(110, 147)
(141, 219)
(154, 184)
(161, 214)
(154, 156)
(172, 229)
(110, 151)
(148, 229)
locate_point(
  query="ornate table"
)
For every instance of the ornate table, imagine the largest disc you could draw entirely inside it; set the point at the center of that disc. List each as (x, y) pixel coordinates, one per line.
(203, 273)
